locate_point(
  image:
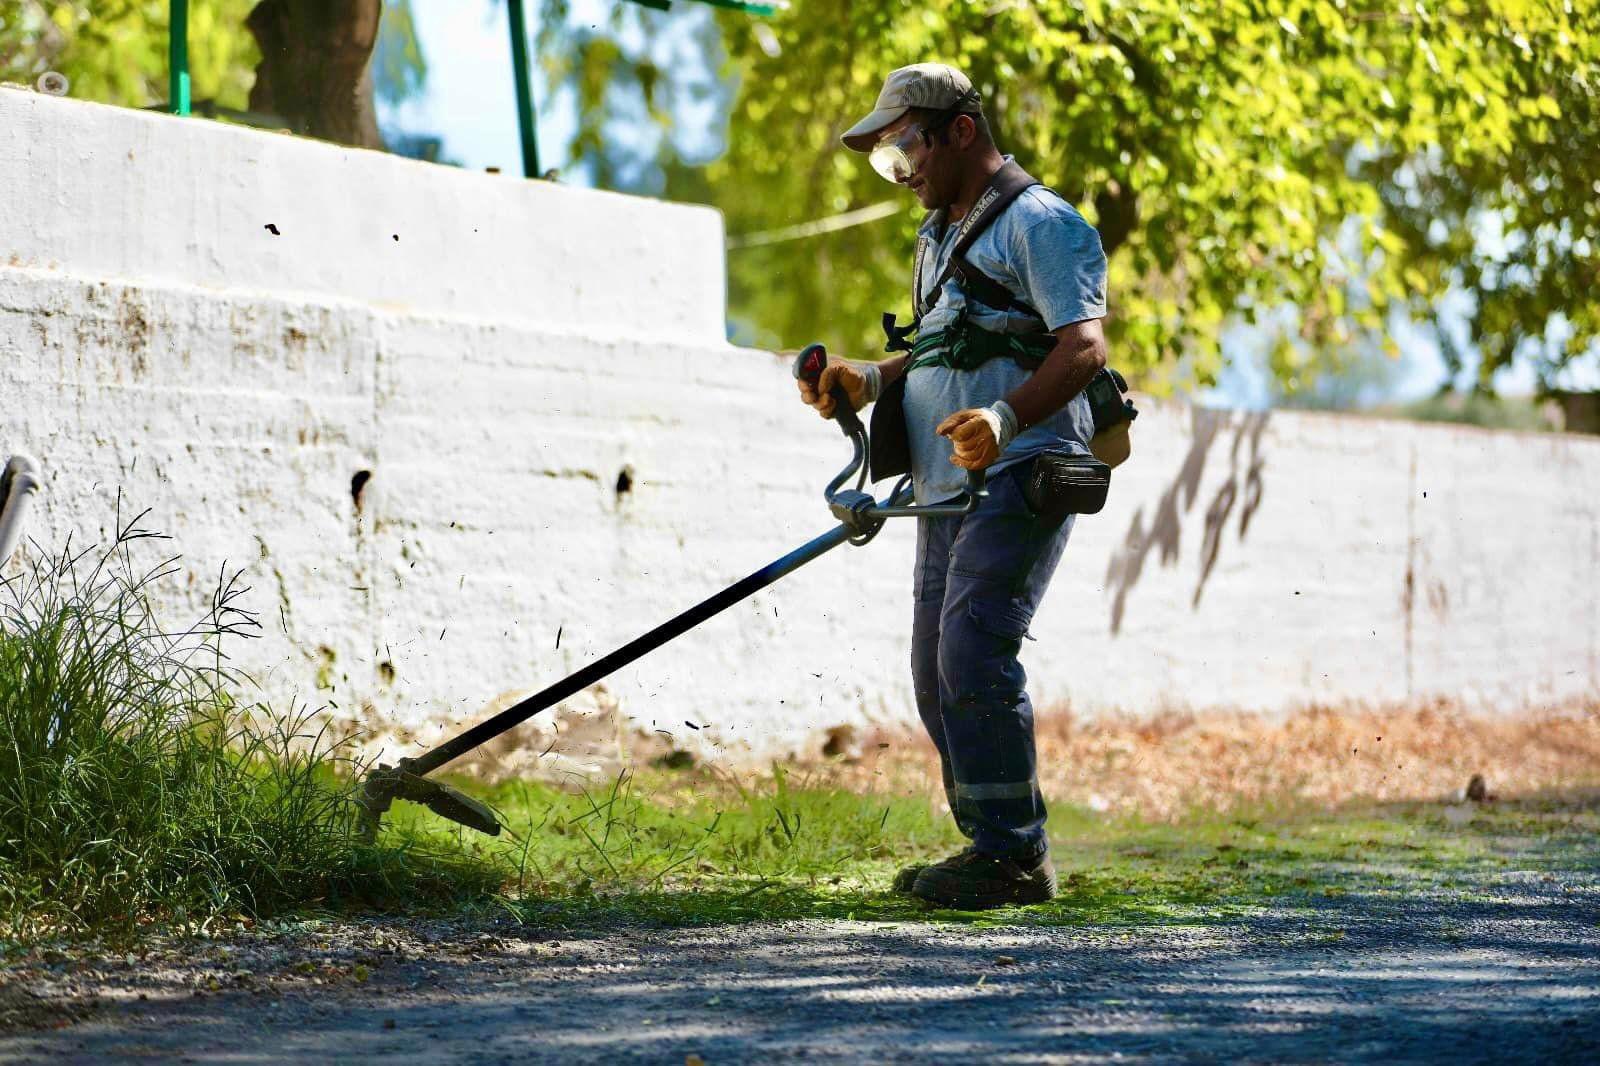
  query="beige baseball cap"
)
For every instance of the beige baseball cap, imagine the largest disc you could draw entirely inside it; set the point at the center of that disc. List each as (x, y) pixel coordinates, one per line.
(934, 85)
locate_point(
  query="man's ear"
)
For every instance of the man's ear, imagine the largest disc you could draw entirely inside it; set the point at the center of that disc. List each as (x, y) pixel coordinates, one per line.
(965, 130)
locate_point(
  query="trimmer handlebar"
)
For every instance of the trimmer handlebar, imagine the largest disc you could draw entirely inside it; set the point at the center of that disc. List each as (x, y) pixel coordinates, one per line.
(856, 508)
(808, 367)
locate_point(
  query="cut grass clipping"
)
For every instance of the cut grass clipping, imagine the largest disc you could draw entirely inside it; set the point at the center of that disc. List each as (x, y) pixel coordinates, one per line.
(135, 789)
(699, 849)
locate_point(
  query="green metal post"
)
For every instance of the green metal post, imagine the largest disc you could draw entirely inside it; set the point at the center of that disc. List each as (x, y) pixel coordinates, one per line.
(770, 9)
(178, 58)
(519, 64)
(767, 10)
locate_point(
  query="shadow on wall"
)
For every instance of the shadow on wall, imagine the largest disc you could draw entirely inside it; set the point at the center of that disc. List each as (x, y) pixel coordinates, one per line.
(1242, 492)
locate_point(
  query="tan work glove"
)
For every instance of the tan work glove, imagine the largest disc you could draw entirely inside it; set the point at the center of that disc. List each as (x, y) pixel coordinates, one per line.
(979, 434)
(860, 385)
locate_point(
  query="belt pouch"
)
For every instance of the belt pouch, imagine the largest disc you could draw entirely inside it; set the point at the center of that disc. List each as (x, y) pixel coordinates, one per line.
(1060, 484)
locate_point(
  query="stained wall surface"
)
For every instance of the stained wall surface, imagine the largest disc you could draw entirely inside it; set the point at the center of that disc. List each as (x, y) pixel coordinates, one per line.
(463, 433)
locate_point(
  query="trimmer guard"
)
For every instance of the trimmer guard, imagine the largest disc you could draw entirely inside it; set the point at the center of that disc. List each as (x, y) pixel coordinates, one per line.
(389, 783)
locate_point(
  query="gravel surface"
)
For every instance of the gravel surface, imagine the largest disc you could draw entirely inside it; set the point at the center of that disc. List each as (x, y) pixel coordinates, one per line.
(1503, 969)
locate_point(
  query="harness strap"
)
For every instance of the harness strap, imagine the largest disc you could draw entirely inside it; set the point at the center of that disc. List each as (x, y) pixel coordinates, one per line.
(966, 347)
(897, 337)
(987, 291)
(1008, 183)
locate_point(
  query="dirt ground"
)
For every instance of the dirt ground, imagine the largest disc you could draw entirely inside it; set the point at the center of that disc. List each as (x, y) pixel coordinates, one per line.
(1500, 963)
(1507, 971)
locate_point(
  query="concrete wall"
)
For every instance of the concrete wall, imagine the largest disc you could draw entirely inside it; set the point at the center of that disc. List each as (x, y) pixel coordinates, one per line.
(487, 358)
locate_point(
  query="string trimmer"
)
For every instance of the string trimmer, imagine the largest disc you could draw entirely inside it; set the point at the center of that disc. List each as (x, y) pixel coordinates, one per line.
(860, 517)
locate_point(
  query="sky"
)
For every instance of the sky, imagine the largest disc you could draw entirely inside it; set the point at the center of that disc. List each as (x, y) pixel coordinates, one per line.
(470, 101)
(470, 98)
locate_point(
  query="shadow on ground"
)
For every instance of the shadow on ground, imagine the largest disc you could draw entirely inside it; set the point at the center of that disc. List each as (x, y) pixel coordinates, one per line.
(1488, 952)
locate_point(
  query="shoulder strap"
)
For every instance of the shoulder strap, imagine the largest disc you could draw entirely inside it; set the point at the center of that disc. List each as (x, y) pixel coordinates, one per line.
(1008, 183)
(987, 291)
(923, 243)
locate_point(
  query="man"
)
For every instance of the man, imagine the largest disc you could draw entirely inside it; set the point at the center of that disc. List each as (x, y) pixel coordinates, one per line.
(991, 384)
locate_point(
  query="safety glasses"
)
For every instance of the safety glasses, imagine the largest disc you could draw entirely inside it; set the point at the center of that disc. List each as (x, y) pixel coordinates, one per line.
(891, 156)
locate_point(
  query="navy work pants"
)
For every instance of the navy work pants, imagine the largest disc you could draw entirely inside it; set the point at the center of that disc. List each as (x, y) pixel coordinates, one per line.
(979, 578)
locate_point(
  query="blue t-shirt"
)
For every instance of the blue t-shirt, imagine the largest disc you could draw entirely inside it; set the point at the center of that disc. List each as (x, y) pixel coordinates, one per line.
(1043, 251)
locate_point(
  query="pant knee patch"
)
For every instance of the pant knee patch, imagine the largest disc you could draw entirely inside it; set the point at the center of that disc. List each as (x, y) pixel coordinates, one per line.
(999, 618)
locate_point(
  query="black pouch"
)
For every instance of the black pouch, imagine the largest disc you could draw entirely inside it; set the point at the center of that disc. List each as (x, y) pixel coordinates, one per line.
(888, 446)
(1060, 484)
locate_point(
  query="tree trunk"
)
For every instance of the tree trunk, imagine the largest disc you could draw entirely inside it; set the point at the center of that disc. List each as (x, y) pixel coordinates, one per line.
(315, 67)
(1118, 211)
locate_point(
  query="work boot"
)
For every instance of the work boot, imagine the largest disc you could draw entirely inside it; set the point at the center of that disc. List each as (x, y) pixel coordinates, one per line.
(975, 881)
(906, 878)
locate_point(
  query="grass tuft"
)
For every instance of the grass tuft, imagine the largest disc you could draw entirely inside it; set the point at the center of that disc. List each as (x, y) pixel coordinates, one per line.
(699, 849)
(136, 790)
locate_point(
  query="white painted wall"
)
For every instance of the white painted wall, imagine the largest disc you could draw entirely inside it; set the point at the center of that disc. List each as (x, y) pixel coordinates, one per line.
(104, 192)
(521, 344)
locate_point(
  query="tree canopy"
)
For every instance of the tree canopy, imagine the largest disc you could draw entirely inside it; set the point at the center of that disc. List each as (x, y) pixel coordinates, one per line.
(645, 89)
(1313, 166)
(1343, 159)
(115, 51)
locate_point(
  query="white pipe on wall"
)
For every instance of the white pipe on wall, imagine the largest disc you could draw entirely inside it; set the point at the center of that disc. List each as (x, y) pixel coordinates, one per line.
(18, 485)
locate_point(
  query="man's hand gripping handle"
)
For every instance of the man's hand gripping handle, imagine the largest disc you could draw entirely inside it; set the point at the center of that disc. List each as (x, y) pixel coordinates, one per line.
(808, 368)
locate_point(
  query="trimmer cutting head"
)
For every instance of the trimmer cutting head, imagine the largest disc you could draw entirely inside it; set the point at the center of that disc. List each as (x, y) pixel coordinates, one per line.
(386, 784)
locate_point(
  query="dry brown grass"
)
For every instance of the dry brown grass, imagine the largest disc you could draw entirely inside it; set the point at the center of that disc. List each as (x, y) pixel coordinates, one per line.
(1158, 766)
(1164, 766)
